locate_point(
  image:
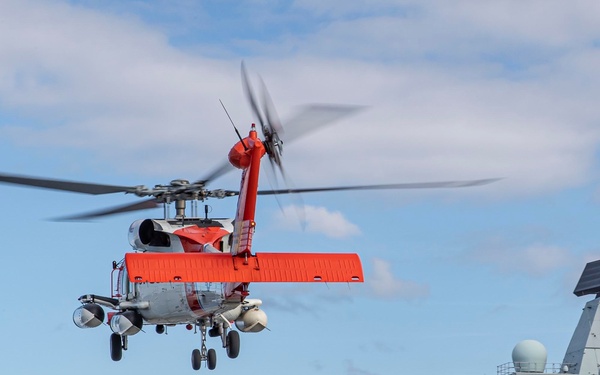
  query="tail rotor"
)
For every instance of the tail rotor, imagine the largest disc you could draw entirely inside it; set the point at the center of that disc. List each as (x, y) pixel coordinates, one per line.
(269, 122)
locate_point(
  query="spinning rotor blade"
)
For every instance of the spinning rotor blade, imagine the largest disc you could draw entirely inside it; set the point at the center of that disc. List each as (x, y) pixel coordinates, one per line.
(73, 186)
(219, 171)
(250, 96)
(274, 144)
(269, 126)
(311, 117)
(308, 119)
(269, 108)
(415, 185)
(147, 204)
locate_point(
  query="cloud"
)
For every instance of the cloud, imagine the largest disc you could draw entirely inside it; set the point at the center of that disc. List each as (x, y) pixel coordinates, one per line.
(498, 96)
(317, 365)
(382, 283)
(378, 346)
(536, 260)
(290, 304)
(317, 220)
(352, 369)
(449, 32)
(107, 84)
(300, 299)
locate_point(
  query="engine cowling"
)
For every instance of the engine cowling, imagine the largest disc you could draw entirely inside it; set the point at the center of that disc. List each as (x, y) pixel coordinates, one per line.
(89, 315)
(253, 320)
(146, 233)
(126, 323)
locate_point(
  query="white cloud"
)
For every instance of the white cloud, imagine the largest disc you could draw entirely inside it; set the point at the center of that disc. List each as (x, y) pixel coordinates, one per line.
(111, 85)
(317, 220)
(384, 284)
(534, 260)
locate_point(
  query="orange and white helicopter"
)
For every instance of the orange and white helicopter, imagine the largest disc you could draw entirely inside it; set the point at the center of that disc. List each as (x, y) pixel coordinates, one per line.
(196, 271)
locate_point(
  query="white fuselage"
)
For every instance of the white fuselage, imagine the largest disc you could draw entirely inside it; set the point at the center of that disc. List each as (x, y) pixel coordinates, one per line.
(174, 303)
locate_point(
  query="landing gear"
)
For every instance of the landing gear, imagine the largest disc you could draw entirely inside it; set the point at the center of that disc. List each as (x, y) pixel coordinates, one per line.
(196, 359)
(229, 338)
(211, 359)
(116, 347)
(233, 344)
(203, 354)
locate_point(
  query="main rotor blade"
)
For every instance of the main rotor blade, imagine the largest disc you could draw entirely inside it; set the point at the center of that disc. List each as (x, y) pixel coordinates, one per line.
(219, 171)
(415, 185)
(73, 186)
(144, 205)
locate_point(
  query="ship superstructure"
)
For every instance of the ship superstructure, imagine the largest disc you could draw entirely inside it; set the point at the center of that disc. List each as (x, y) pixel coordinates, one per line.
(583, 353)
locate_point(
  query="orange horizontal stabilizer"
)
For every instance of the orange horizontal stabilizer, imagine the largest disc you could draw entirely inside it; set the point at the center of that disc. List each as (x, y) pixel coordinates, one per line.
(262, 267)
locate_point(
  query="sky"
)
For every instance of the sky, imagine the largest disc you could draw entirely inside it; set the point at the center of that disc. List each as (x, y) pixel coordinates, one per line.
(127, 93)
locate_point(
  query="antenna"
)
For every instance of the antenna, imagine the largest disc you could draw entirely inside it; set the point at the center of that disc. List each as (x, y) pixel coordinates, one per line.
(234, 127)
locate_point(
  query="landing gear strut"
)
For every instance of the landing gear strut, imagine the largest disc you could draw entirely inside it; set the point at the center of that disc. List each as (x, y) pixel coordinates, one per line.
(230, 339)
(203, 354)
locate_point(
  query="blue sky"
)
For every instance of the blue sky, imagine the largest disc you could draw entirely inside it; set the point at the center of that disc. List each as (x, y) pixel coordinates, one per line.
(127, 93)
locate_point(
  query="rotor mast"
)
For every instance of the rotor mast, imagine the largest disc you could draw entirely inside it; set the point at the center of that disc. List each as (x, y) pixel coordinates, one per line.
(180, 209)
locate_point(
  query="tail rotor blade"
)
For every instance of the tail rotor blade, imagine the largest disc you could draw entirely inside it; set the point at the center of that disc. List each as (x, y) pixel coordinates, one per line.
(312, 117)
(250, 96)
(275, 129)
(273, 121)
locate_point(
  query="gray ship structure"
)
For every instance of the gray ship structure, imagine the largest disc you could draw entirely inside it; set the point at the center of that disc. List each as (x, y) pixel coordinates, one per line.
(583, 353)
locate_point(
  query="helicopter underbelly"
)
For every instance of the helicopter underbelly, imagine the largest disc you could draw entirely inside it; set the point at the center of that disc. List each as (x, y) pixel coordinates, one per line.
(173, 303)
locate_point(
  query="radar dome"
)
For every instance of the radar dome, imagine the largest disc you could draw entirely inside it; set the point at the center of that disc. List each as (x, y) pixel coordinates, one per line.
(529, 356)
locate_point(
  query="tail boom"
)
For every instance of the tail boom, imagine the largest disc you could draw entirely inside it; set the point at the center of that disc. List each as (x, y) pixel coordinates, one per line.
(246, 155)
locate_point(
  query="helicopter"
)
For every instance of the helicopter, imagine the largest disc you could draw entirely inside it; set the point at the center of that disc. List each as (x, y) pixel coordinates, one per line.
(195, 270)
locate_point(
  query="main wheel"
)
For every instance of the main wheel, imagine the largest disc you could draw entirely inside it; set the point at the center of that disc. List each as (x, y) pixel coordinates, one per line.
(116, 347)
(233, 344)
(211, 359)
(196, 359)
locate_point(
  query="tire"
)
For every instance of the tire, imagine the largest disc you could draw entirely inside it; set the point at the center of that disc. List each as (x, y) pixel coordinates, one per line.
(233, 344)
(116, 347)
(196, 359)
(211, 359)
